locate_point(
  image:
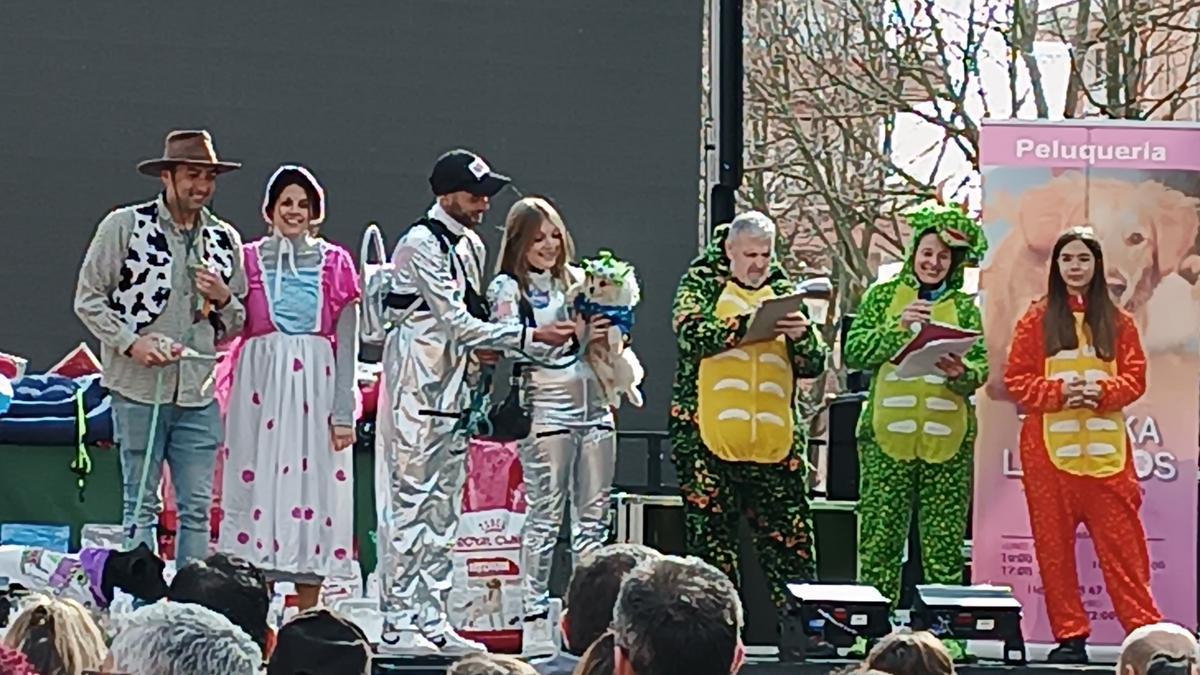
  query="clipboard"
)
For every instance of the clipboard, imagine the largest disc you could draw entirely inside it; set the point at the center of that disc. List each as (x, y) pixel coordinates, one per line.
(769, 312)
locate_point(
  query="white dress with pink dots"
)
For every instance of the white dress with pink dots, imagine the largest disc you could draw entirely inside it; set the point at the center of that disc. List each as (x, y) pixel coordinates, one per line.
(288, 495)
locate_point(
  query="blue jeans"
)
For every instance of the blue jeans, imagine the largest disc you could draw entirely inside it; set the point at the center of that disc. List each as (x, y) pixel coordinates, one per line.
(187, 439)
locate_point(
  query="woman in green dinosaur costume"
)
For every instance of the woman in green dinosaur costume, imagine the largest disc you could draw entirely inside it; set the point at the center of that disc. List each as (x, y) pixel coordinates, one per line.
(916, 436)
(737, 435)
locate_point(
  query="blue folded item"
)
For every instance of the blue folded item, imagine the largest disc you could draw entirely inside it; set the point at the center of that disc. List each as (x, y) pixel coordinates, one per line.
(45, 411)
(49, 537)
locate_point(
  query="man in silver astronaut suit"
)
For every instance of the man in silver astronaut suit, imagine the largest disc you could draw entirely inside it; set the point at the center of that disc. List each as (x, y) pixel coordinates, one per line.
(439, 318)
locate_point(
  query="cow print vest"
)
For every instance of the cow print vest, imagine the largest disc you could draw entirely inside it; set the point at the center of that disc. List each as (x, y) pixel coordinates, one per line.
(145, 285)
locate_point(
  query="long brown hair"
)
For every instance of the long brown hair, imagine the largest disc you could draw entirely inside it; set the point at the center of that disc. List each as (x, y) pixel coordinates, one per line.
(1100, 317)
(521, 228)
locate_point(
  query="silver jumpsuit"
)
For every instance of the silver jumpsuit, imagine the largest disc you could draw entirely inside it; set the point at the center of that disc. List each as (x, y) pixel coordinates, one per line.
(420, 453)
(571, 451)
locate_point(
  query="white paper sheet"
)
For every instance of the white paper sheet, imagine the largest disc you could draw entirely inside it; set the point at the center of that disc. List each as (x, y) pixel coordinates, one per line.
(924, 360)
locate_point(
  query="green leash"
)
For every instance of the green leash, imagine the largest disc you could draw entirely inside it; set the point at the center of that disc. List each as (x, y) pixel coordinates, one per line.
(474, 420)
(81, 466)
(151, 436)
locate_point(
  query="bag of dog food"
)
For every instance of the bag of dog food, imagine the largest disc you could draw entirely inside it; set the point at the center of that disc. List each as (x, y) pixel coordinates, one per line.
(486, 601)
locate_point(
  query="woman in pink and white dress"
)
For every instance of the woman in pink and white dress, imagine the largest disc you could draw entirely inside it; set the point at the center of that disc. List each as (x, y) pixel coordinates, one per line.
(290, 410)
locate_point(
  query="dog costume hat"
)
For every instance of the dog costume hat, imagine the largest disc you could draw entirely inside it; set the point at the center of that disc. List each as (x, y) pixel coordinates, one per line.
(729, 465)
(1078, 468)
(916, 436)
(610, 290)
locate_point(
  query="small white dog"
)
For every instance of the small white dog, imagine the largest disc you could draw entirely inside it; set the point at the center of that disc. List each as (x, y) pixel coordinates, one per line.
(610, 290)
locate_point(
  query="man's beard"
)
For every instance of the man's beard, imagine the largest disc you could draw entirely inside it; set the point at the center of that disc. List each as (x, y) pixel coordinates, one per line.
(754, 280)
(463, 217)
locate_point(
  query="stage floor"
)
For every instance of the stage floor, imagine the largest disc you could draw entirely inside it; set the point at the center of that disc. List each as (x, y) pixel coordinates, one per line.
(771, 667)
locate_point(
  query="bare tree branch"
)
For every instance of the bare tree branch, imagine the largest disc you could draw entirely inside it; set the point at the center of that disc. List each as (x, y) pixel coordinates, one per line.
(830, 84)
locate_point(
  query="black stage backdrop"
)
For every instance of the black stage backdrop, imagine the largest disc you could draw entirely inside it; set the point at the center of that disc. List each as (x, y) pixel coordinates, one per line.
(595, 104)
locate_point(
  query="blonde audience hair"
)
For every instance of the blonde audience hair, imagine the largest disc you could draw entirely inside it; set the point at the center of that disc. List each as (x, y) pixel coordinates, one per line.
(59, 637)
(1168, 641)
(910, 653)
(521, 228)
(491, 664)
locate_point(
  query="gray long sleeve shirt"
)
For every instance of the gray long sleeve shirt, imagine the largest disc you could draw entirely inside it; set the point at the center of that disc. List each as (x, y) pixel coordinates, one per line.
(187, 383)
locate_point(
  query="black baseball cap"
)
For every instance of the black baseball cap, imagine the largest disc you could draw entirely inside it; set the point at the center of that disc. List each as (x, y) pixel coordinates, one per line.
(463, 170)
(320, 642)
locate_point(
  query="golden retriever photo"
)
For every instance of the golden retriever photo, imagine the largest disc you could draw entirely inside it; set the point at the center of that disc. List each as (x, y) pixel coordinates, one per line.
(1148, 232)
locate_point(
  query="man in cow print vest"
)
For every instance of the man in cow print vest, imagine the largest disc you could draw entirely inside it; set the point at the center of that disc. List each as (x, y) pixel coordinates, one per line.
(162, 279)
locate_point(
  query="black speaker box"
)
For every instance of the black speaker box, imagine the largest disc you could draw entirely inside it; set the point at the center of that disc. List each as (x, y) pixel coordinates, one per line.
(841, 479)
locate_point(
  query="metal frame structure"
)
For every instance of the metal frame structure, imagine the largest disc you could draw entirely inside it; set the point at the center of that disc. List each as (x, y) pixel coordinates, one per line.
(723, 123)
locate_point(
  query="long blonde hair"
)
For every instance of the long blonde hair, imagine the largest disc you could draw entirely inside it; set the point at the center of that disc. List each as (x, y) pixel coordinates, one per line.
(521, 228)
(58, 637)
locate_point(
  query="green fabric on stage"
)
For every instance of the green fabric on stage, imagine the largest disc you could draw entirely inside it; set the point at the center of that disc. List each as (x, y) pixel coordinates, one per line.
(38, 487)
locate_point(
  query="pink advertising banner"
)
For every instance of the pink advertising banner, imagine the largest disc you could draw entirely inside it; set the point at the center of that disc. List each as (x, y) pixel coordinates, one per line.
(1138, 187)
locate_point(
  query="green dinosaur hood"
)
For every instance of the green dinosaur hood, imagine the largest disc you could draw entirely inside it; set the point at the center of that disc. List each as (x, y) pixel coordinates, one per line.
(956, 229)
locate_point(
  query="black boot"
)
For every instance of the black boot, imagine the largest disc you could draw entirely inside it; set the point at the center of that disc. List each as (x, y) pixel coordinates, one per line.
(1072, 651)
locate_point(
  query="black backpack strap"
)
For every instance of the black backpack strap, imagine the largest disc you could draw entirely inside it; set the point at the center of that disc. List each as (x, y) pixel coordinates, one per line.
(442, 234)
(476, 304)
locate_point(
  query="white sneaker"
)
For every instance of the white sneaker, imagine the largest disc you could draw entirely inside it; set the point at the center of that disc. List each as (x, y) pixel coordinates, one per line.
(537, 638)
(406, 643)
(451, 643)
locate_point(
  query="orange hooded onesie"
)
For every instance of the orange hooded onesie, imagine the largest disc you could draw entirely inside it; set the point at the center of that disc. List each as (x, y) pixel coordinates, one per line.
(1078, 468)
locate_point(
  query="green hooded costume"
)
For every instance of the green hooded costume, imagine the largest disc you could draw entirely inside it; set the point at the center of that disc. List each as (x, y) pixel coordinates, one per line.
(743, 401)
(916, 436)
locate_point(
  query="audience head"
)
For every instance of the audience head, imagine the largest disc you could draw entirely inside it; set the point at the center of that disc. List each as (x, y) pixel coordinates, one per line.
(857, 669)
(598, 659)
(910, 653)
(319, 642)
(58, 637)
(677, 616)
(593, 592)
(175, 638)
(229, 586)
(1159, 649)
(491, 664)
(13, 662)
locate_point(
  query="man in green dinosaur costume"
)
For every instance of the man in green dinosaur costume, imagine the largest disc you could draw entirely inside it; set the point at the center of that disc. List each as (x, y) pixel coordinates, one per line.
(737, 435)
(916, 436)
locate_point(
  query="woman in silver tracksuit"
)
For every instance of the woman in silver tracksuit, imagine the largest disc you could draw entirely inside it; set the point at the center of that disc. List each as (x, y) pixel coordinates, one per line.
(571, 450)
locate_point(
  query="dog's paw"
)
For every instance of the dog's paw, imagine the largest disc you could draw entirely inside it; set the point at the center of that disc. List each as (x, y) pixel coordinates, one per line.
(1189, 269)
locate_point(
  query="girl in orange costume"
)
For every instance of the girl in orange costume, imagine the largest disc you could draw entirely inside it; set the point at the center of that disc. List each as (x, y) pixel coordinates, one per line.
(1075, 362)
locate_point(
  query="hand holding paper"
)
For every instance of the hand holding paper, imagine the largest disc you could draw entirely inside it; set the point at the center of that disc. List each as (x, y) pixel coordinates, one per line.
(934, 346)
(952, 365)
(769, 315)
(918, 312)
(793, 326)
